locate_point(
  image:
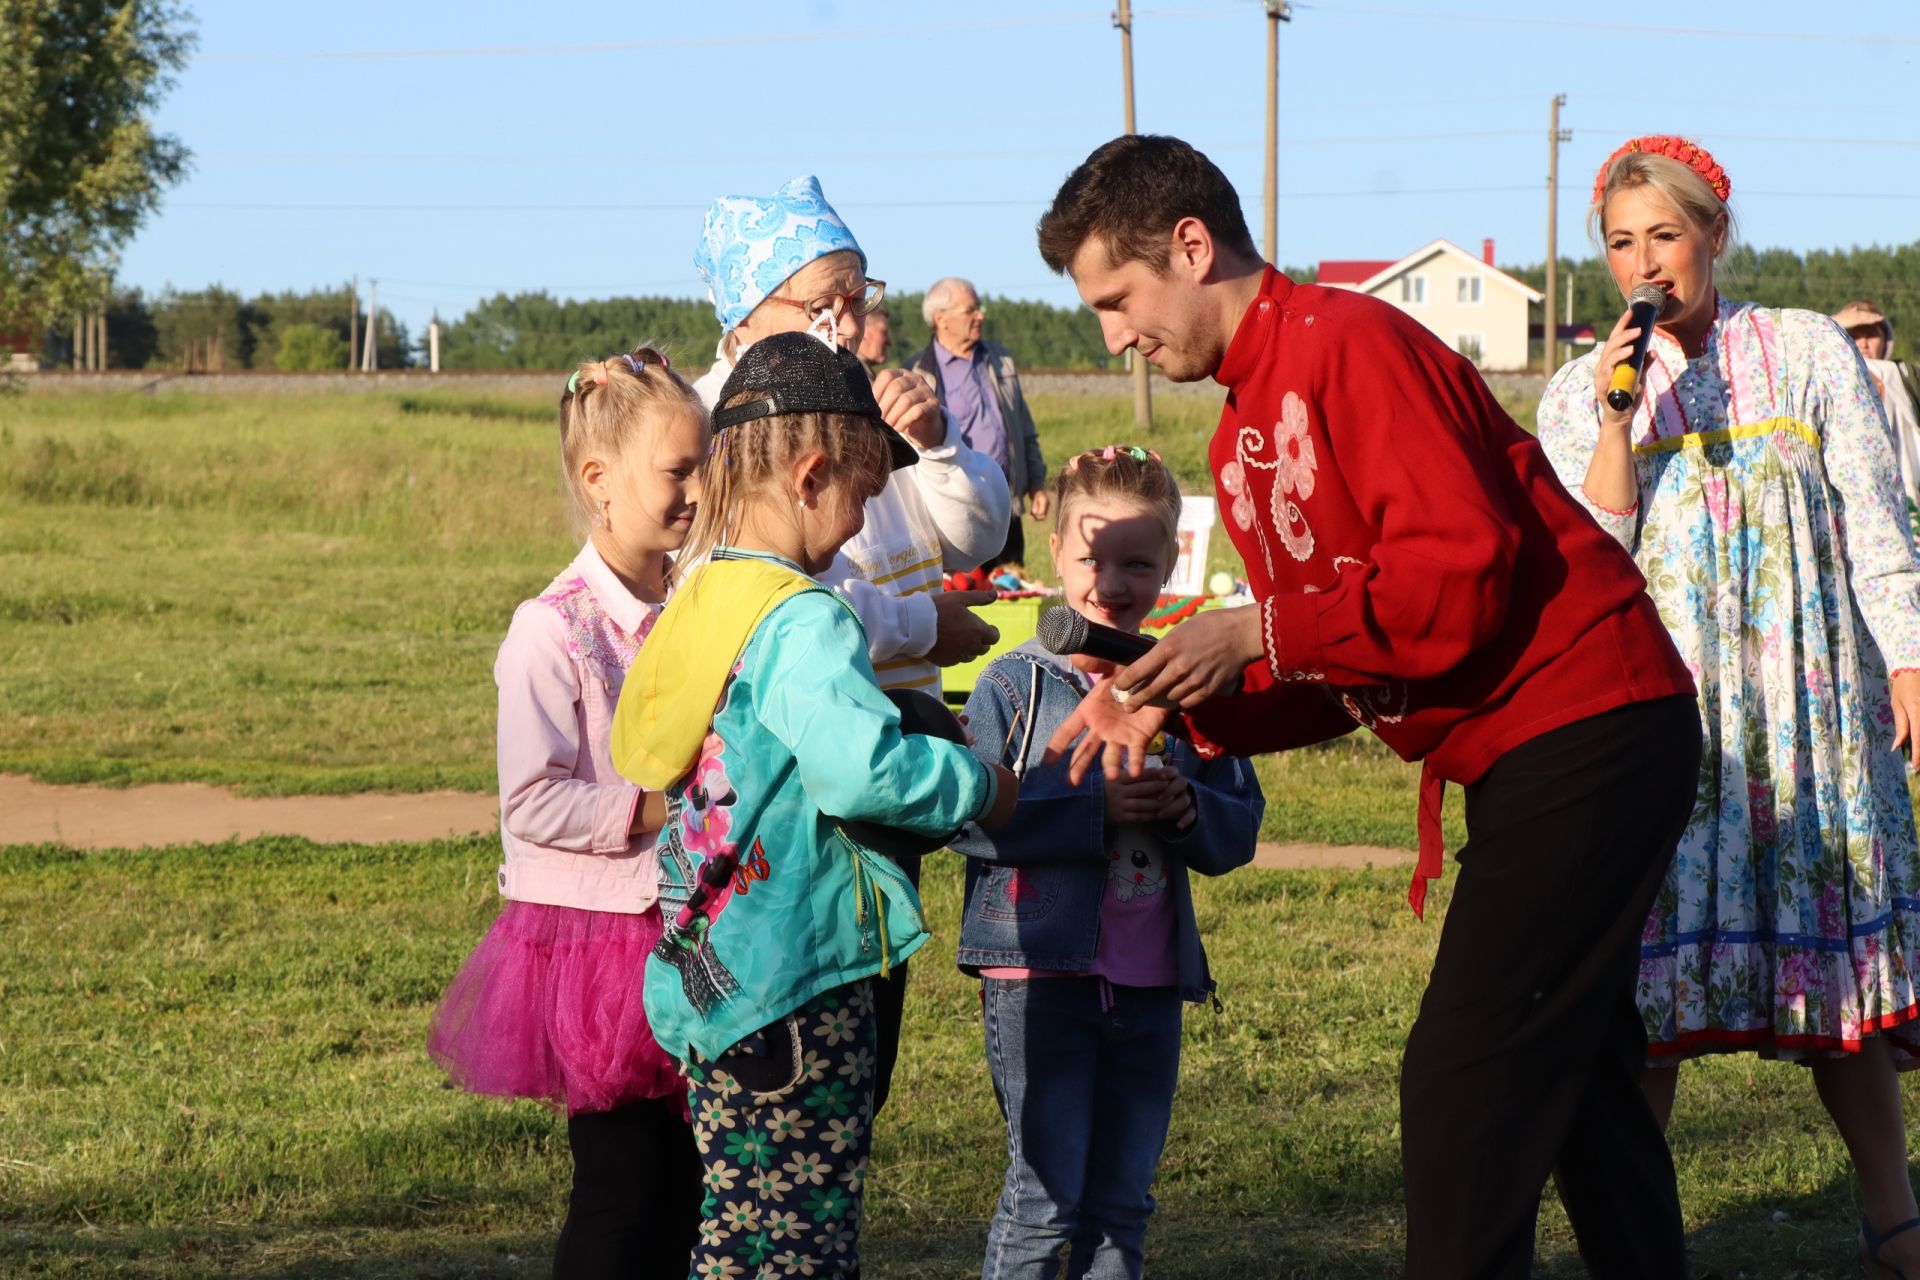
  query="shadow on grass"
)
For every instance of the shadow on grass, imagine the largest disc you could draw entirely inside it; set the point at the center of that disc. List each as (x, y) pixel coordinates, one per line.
(269, 1253)
(1776, 1237)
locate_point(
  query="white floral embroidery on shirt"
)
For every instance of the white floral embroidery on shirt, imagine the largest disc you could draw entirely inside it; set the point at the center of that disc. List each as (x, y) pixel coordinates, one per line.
(1294, 475)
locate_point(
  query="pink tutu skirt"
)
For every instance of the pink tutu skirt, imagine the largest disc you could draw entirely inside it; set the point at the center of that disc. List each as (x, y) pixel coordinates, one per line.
(549, 1006)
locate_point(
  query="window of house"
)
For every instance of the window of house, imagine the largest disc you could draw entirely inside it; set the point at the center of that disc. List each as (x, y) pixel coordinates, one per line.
(1471, 345)
(1413, 289)
(1469, 290)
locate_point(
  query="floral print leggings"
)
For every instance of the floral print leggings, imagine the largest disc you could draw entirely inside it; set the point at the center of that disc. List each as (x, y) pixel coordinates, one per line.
(783, 1121)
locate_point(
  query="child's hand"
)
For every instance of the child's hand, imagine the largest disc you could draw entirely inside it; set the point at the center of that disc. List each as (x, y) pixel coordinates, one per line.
(1136, 799)
(1177, 805)
(650, 814)
(1008, 796)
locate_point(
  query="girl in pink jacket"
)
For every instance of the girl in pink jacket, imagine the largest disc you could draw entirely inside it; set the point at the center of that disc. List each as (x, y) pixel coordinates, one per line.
(548, 1005)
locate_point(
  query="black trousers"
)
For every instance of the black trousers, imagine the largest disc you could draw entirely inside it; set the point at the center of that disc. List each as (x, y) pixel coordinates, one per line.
(1527, 1053)
(634, 1211)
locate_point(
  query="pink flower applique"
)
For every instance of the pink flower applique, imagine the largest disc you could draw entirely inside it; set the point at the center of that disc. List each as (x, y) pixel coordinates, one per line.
(1293, 475)
(1297, 463)
(1233, 478)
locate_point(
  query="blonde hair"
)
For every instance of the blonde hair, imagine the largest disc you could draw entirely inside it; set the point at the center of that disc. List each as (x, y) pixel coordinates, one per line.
(754, 460)
(1673, 182)
(1121, 473)
(608, 406)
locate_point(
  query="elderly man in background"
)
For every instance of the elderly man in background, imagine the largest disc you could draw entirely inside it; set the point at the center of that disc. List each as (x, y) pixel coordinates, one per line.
(876, 338)
(1897, 383)
(980, 389)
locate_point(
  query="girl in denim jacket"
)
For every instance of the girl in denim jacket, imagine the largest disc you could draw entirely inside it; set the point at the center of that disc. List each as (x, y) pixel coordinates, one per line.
(548, 1005)
(1079, 919)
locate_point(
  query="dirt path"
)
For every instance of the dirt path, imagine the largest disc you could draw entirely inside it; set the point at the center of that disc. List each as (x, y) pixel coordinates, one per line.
(87, 817)
(186, 813)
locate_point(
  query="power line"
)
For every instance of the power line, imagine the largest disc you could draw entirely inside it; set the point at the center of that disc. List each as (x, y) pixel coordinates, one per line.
(1717, 136)
(573, 207)
(1346, 13)
(634, 46)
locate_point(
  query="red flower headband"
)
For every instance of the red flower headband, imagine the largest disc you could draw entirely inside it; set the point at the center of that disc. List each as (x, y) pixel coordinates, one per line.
(1692, 155)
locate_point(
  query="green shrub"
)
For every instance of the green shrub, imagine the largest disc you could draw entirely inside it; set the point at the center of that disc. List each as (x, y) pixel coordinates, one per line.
(308, 348)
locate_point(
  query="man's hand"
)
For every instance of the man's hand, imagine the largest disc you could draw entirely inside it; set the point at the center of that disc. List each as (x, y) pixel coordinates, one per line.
(958, 635)
(910, 407)
(1199, 658)
(1037, 504)
(1118, 738)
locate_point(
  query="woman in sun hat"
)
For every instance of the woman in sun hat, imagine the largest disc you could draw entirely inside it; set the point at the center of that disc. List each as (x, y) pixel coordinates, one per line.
(1753, 478)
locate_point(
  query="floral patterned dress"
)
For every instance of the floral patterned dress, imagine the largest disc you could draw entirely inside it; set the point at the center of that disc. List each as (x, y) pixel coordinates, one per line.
(1770, 527)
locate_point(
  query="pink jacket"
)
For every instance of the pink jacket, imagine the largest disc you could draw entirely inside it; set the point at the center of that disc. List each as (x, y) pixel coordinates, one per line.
(564, 813)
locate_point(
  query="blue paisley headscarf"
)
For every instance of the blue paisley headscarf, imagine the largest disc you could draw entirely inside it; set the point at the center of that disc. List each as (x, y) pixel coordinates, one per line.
(751, 244)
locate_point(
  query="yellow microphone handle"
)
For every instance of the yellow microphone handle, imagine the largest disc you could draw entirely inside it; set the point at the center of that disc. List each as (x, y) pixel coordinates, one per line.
(1620, 387)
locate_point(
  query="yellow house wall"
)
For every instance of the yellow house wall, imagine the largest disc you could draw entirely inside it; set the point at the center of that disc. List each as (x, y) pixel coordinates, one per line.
(1499, 318)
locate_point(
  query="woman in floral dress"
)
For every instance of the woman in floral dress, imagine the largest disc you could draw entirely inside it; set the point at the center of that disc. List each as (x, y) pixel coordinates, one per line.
(1754, 480)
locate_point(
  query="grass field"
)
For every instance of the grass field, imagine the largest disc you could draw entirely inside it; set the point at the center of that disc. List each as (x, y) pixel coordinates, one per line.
(294, 595)
(211, 1065)
(210, 1057)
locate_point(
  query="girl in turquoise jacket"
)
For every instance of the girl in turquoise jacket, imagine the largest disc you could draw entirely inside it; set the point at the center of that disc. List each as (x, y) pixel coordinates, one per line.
(754, 705)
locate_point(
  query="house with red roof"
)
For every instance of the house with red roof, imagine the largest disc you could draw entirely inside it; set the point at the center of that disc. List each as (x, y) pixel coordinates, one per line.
(19, 352)
(1468, 303)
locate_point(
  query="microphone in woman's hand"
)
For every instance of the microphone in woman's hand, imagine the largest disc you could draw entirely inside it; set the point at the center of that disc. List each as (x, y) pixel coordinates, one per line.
(1065, 632)
(1643, 308)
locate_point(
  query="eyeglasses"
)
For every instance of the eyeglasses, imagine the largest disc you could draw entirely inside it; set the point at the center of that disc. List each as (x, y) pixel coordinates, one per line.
(975, 310)
(860, 302)
(637, 361)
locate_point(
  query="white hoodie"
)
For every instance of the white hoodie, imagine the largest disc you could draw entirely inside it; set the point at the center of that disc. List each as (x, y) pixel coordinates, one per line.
(947, 512)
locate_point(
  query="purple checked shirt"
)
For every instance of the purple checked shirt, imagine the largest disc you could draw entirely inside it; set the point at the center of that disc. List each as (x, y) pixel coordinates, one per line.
(972, 403)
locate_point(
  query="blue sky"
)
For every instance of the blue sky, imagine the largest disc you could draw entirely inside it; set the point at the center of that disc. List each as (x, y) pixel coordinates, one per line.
(453, 151)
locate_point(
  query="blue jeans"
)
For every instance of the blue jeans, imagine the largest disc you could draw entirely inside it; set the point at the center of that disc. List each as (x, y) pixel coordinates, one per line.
(1084, 1073)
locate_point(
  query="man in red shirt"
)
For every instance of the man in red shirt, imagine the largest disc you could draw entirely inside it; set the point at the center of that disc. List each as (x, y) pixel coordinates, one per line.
(1418, 569)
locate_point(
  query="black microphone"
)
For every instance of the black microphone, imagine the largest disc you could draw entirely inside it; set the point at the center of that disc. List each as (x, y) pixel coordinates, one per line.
(1063, 631)
(1643, 308)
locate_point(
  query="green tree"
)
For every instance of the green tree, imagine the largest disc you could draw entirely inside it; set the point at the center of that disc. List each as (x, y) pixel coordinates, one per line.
(80, 163)
(308, 348)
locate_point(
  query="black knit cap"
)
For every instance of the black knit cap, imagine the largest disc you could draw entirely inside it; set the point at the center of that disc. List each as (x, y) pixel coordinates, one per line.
(797, 373)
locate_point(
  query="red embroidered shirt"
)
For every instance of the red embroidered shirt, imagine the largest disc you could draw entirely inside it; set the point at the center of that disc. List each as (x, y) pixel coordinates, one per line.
(1418, 567)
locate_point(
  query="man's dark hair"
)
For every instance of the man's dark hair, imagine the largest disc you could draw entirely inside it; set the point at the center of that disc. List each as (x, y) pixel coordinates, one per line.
(1131, 193)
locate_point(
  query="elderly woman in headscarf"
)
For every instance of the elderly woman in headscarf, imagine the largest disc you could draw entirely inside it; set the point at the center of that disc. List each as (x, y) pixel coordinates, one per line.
(1752, 476)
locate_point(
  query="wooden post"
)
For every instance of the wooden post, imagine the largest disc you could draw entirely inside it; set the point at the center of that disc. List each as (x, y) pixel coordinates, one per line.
(353, 324)
(370, 358)
(100, 339)
(1278, 11)
(1550, 314)
(1142, 392)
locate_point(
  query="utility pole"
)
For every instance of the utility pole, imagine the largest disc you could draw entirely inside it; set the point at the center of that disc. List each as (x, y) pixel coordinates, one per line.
(1278, 11)
(433, 345)
(353, 323)
(1142, 393)
(370, 358)
(1550, 315)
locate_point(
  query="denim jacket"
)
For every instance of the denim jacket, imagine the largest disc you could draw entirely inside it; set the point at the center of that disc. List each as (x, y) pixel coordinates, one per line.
(1034, 888)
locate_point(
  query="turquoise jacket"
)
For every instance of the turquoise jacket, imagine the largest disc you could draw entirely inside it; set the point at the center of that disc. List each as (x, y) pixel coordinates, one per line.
(792, 906)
